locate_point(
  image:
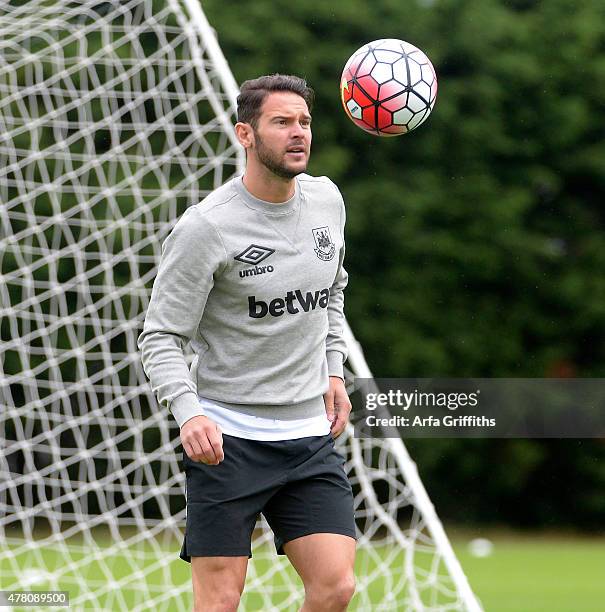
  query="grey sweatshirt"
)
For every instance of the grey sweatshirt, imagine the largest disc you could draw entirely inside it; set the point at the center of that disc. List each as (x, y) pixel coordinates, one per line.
(257, 288)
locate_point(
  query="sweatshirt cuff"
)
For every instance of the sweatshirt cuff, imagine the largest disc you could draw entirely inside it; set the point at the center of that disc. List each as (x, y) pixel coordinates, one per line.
(335, 364)
(185, 407)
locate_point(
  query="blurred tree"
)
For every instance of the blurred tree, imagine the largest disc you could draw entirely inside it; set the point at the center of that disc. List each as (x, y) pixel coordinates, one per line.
(475, 244)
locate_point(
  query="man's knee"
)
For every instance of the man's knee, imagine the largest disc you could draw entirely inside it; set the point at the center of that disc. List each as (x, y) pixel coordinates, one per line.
(333, 594)
(222, 600)
(344, 590)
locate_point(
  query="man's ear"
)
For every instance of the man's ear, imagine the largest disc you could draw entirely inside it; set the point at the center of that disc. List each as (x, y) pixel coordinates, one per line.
(245, 134)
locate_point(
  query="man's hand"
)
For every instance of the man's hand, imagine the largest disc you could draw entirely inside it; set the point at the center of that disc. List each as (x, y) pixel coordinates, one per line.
(338, 405)
(202, 440)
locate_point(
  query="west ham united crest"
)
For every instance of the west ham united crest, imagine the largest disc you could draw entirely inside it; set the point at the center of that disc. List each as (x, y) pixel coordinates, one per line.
(325, 247)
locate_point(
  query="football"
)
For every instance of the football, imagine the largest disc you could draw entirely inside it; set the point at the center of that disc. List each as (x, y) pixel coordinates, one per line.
(388, 87)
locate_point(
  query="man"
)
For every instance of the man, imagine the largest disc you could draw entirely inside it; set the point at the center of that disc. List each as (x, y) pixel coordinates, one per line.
(253, 277)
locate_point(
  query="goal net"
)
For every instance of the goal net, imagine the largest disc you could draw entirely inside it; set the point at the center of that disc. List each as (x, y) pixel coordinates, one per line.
(115, 116)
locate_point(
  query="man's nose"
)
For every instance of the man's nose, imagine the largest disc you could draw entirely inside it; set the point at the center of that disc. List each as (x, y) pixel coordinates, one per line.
(297, 130)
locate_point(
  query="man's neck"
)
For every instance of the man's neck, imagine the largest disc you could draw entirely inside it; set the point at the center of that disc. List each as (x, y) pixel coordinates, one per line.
(269, 187)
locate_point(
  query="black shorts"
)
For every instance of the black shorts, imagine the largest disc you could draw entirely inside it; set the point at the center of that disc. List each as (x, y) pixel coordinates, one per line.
(299, 485)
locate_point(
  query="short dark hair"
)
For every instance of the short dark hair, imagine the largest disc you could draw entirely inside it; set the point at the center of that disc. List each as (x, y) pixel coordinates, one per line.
(253, 94)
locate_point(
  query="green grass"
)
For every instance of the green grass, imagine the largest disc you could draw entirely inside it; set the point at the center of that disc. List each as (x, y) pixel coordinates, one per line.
(523, 574)
(538, 574)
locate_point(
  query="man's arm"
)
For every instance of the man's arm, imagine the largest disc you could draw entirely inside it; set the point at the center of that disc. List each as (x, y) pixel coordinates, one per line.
(336, 399)
(336, 347)
(191, 255)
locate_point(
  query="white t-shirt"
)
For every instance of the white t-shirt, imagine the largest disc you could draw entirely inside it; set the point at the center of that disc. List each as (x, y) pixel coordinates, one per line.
(252, 427)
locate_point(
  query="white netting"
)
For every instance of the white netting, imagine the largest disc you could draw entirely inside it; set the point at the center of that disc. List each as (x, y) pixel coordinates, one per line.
(114, 117)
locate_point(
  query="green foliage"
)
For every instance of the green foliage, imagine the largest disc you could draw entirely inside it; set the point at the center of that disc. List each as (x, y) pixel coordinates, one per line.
(474, 244)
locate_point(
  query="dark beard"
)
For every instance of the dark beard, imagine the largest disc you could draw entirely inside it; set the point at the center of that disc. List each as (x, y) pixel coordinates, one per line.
(268, 160)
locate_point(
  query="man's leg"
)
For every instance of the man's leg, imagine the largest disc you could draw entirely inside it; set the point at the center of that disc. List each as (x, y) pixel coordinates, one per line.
(223, 503)
(325, 563)
(218, 583)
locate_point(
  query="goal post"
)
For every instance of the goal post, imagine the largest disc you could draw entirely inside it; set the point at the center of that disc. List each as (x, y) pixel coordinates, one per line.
(115, 116)
(418, 498)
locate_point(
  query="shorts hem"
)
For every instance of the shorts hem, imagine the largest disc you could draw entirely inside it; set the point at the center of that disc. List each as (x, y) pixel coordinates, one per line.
(215, 553)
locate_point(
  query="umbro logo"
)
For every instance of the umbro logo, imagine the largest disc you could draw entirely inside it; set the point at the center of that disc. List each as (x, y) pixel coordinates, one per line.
(254, 254)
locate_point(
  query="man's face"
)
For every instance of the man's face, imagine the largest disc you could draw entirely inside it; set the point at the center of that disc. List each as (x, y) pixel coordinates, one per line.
(282, 137)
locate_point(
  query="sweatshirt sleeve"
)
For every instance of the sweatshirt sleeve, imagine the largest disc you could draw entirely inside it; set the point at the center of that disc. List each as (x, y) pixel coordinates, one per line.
(336, 348)
(191, 255)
